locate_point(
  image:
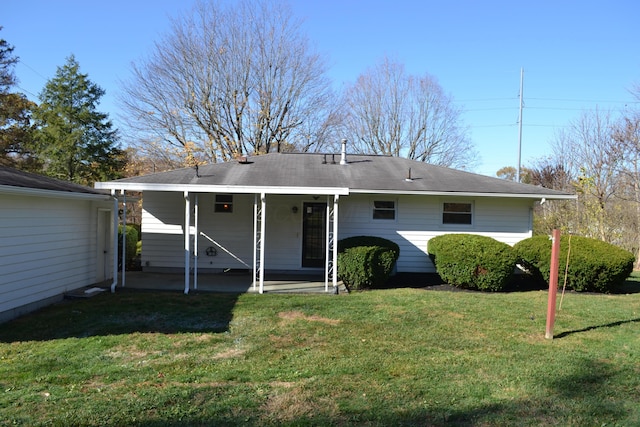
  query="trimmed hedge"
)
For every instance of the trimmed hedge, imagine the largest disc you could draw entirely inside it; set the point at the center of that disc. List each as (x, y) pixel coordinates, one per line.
(472, 262)
(130, 245)
(594, 265)
(366, 261)
(352, 242)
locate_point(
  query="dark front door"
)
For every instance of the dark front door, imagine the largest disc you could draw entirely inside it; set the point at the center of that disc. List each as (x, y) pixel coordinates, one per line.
(314, 234)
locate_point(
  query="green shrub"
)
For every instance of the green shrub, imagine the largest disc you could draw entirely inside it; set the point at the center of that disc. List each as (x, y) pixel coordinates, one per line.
(130, 245)
(471, 261)
(594, 265)
(351, 242)
(366, 261)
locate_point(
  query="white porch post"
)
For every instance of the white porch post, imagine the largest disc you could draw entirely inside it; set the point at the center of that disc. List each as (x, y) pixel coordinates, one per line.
(187, 254)
(335, 240)
(328, 259)
(124, 234)
(195, 244)
(263, 206)
(259, 213)
(255, 240)
(115, 221)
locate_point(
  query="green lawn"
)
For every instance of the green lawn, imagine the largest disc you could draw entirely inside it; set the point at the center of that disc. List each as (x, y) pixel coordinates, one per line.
(389, 357)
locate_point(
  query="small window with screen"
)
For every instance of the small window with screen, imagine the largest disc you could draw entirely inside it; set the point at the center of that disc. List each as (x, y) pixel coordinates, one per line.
(224, 203)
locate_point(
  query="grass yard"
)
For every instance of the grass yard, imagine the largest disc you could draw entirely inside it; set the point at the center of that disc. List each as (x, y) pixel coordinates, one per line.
(391, 357)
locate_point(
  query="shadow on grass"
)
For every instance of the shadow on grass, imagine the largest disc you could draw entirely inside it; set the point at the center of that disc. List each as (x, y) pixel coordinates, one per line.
(123, 313)
(591, 328)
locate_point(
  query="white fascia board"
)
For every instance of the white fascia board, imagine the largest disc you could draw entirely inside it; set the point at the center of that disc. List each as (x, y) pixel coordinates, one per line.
(470, 194)
(27, 191)
(238, 189)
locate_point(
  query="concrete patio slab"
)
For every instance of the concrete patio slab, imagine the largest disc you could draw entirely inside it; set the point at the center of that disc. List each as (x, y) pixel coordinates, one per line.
(233, 283)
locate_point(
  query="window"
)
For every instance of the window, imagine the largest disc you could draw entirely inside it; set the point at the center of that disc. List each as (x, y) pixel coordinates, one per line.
(456, 213)
(384, 209)
(224, 203)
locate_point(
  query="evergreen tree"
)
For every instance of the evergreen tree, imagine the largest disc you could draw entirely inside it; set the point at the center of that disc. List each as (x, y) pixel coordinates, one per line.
(75, 141)
(15, 114)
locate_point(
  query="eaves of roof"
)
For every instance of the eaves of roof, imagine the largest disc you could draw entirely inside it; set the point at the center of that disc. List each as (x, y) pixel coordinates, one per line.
(39, 192)
(18, 182)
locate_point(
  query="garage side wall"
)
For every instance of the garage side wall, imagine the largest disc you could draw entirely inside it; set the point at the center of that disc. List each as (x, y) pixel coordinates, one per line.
(48, 246)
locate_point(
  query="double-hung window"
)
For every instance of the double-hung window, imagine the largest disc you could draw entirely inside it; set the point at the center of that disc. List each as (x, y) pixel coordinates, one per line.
(384, 209)
(457, 213)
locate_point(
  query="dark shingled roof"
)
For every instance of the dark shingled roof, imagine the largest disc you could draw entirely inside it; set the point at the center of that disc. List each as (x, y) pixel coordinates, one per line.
(363, 173)
(17, 178)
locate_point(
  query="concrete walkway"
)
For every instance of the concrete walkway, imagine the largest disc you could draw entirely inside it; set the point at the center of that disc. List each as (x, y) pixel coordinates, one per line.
(227, 282)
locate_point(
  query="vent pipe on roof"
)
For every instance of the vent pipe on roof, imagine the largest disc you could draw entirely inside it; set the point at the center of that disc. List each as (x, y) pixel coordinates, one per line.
(343, 157)
(408, 178)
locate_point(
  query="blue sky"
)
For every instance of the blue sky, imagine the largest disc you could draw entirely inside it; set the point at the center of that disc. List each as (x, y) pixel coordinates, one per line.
(576, 55)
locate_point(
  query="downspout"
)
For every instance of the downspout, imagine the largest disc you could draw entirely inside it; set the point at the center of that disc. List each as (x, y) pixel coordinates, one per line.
(187, 254)
(124, 233)
(114, 244)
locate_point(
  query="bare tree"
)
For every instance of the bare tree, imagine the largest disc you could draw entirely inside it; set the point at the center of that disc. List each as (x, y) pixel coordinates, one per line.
(229, 80)
(627, 134)
(591, 156)
(390, 112)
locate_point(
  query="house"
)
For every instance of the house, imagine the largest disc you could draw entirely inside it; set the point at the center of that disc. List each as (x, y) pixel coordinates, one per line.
(283, 212)
(55, 237)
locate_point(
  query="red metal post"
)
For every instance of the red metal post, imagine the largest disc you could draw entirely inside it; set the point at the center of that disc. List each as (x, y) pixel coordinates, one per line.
(553, 284)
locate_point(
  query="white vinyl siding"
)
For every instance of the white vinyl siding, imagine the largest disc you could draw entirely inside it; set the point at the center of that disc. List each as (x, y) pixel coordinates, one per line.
(420, 217)
(417, 219)
(48, 246)
(163, 238)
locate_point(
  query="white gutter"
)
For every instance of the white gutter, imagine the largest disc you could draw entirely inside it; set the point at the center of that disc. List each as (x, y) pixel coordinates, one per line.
(238, 189)
(326, 191)
(468, 194)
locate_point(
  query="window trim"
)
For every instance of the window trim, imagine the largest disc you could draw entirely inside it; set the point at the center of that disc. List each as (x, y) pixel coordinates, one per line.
(375, 209)
(471, 213)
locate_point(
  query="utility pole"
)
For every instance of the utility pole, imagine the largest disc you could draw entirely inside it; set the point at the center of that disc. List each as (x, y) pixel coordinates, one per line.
(520, 125)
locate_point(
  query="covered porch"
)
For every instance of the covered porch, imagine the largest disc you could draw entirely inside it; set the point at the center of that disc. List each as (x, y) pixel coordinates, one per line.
(198, 246)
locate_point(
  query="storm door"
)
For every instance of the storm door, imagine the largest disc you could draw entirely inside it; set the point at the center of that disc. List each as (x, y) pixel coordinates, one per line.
(314, 234)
